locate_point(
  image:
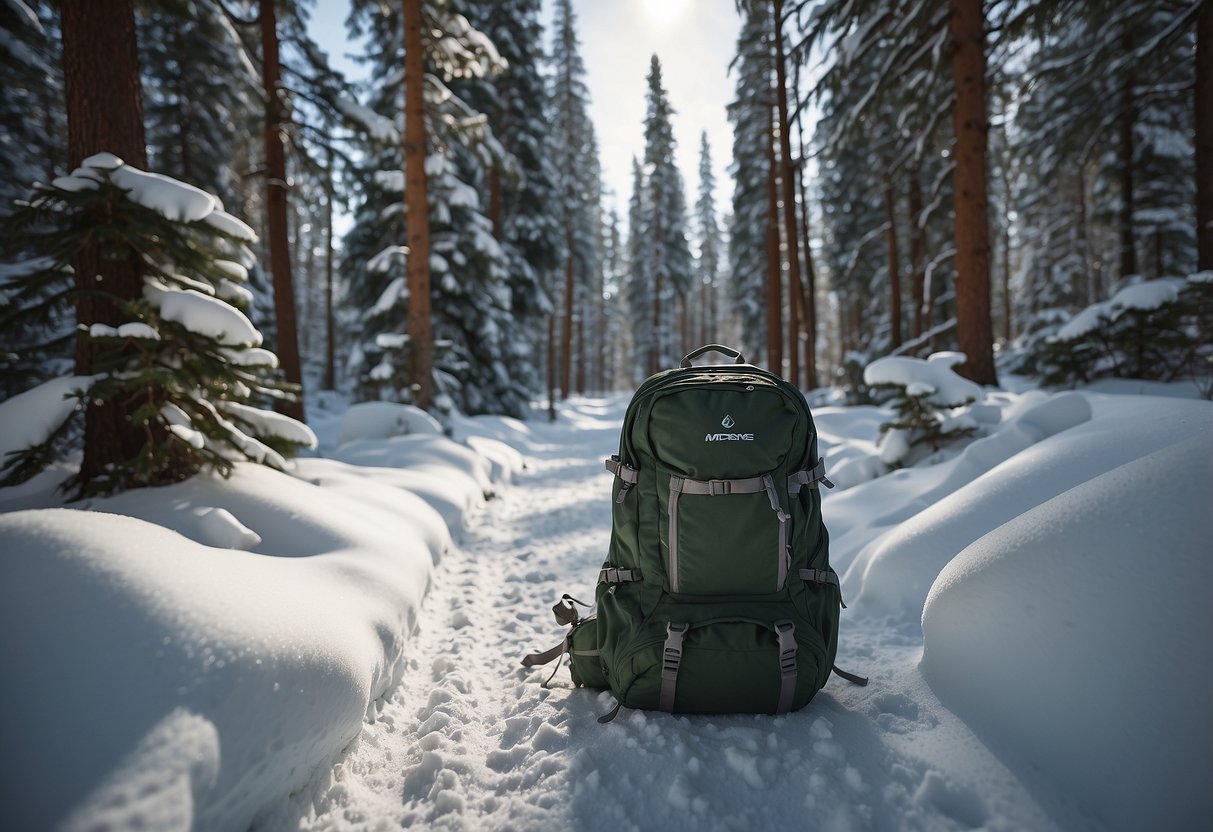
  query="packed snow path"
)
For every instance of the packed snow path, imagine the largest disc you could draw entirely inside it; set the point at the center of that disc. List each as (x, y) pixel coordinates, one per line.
(471, 740)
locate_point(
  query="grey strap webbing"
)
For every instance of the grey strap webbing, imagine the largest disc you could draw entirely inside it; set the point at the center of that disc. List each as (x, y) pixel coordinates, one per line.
(782, 554)
(786, 631)
(823, 576)
(672, 512)
(547, 655)
(628, 475)
(854, 679)
(615, 575)
(719, 488)
(810, 478)
(671, 658)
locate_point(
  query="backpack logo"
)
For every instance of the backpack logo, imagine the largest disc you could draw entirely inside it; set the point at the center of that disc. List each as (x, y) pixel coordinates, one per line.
(727, 422)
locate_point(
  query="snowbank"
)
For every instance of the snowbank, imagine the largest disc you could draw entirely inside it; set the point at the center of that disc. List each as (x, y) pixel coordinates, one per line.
(1074, 639)
(380, 420)
(929, 515)
(186, 654)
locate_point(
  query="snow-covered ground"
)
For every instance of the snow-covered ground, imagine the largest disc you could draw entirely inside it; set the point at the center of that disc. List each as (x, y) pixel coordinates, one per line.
(1031, 607)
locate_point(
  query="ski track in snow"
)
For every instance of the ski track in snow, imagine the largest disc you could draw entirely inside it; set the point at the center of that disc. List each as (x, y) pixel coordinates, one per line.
(470, 739)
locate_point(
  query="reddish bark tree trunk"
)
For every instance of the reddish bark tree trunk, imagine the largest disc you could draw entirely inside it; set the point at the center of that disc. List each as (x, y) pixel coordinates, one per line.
(1204, 136)
(809, 312)
(566, 334)
(774, 281)
(795, 287)
(330, 321)
(1128, 116)
(276, 211)
(894, 273)
(973, 326)
(104, 113)
(416, 197)
(917, 248)
(551, 366)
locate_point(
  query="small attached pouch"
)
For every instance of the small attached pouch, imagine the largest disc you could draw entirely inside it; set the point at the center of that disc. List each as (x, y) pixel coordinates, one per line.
(580, 644)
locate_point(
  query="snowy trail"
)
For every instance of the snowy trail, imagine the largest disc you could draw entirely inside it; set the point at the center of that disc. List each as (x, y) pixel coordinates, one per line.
(471, 740)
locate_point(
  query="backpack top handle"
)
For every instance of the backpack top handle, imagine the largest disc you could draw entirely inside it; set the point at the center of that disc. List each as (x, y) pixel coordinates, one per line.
(720, 348)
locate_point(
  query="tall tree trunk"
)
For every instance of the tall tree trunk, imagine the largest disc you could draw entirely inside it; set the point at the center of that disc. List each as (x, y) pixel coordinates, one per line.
(330, 327)
(973, 327)
(416, 198)
(566, 329)
(1204, 136)
(890, 205)
(582, 354)
(552, 366)
(917, 250)
(1128, 116)
(795, 286)
(276, 211)
(774, 279)
(104, 113)
(809, 311)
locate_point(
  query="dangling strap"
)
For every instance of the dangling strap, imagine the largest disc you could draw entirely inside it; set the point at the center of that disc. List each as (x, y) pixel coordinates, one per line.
(611, 714)
(546, 656)
(817, 474)
(786, 631)
(671, 658)
(862, 681)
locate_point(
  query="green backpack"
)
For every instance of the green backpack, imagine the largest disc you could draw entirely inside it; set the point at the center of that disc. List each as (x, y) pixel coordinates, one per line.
(717, 594)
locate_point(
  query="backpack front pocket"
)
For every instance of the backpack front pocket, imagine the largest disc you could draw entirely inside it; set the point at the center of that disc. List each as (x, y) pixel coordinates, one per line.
(724, 666)
(723, 537)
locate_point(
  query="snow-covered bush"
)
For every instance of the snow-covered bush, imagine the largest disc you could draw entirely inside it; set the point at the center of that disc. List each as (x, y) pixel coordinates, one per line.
(931, 401)
(183, 360)
(1157, 329)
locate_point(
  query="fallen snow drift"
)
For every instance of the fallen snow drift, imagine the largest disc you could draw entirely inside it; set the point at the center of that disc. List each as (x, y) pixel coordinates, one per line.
(930, 526)
(188, 653)
(1074, 638)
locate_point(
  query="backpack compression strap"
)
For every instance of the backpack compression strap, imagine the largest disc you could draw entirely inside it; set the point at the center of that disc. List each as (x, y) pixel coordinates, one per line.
(786, 632)
(823, 576)
(671, 658)
(817, 474)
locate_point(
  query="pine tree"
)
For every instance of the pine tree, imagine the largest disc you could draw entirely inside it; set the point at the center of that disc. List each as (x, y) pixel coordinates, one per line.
(166, 374)
(707, 264)
(199, 98)
(31, 107)
(750, 114)
(578, 191)
(664, 224)
(470, 296)
(521, 185)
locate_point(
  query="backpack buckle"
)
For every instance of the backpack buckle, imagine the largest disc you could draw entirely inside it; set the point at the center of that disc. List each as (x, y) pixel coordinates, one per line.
(719, 488)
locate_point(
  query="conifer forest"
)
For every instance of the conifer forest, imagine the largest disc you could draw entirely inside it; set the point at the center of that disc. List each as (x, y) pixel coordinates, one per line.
(342, 340)
(906, 177)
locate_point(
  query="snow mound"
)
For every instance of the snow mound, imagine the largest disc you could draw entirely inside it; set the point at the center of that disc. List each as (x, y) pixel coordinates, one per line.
(1000, 477)
(467, 476)
(272, 659)
(382, 420)
(935, 375)
(1075, 637)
